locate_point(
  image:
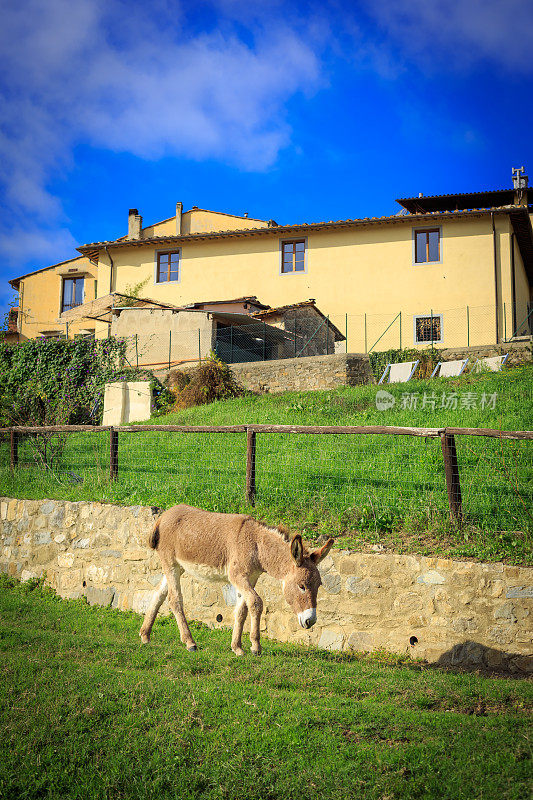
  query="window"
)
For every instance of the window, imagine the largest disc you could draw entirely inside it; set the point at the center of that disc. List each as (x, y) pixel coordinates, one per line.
(72, 293)
(428, 329)
(427, 245)
(168, 267)
(293, 256)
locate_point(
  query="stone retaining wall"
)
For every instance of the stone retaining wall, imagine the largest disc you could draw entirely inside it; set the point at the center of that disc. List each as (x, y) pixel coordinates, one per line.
(519, 352)
(434, 608)
(306, 373)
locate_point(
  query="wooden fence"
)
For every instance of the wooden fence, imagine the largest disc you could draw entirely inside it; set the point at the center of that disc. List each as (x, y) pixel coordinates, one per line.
(446, 436)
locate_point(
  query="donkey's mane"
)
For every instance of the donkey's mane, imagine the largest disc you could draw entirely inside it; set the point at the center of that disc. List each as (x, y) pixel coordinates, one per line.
(284, 534)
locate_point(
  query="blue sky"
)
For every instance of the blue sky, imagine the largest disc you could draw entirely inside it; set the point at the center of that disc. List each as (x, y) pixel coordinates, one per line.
(296, 111)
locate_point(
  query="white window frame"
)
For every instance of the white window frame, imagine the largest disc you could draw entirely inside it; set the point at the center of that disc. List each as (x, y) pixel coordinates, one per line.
(420, 230)
(426, 316)
(162, 252)
(288, 241)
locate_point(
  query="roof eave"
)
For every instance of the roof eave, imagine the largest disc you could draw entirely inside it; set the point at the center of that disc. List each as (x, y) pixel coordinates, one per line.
(282, 230)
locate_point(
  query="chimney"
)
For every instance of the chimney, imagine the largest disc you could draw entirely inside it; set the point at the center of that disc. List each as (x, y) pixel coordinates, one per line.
(179, 212)
(520, 182)
(135, 223)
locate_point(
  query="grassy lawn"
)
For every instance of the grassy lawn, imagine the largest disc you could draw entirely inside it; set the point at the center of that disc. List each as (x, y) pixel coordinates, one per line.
(362, 489)
(88, 713)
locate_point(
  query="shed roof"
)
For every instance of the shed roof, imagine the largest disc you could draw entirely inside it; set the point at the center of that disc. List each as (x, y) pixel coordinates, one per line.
(102, 308)
(493, 198)
(280, 310)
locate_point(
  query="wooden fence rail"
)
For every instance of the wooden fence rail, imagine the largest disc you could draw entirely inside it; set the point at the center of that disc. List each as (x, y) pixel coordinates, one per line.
(446, 436)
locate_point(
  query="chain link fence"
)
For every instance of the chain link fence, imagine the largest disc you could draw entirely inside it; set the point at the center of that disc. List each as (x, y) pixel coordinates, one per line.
(466, 326)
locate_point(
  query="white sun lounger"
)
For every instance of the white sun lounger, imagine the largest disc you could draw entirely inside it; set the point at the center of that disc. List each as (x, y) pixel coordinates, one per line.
(493, 363)
(449, 369)
(400, 373)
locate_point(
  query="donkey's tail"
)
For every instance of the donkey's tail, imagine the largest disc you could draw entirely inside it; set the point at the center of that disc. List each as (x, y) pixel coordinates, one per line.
(153, 541)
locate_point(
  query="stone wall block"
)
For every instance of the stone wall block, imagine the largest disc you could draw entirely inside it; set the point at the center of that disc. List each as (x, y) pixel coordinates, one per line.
(99, 597)
(331, 582)
(70, 580)
(331, 640)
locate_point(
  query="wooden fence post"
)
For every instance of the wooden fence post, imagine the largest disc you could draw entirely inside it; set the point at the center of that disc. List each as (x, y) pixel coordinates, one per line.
(113, 454)
(250, 466)
(14, 449)
(453, 483)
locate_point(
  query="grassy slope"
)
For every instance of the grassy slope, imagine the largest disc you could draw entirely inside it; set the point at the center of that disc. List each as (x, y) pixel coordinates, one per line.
(362, 489)
(87, 713)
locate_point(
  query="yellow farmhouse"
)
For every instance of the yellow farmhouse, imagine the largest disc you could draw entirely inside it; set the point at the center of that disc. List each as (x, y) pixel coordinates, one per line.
(455, 270)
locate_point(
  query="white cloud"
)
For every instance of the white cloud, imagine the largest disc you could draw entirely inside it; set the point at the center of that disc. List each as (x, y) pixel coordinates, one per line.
(129, 78)
(23, 244)
(460, 32)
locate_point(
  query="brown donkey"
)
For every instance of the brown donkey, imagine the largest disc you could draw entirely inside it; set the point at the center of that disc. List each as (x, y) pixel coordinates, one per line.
(234, 548)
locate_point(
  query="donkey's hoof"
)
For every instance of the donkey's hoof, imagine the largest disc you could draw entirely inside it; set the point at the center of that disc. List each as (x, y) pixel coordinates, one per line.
(144, 638)
(192, 648)
(256, 651)
(238, 651)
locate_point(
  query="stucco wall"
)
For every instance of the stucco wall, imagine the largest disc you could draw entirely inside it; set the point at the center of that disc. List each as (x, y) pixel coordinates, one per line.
(471, 614)
(156, 334)
(364, 270)
(40, 297)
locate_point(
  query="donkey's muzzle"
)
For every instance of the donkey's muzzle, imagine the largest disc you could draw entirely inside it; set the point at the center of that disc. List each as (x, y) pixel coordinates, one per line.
(307, 618)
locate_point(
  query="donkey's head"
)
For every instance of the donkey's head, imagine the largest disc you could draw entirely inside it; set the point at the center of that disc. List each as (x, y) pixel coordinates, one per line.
(300, 585)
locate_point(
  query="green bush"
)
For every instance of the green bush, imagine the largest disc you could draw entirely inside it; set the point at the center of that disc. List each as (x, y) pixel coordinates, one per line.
(61, 381)
(428, 360)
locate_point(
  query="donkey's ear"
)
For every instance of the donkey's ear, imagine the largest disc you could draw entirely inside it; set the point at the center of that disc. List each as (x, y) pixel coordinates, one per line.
(318, 555)
(297, 549)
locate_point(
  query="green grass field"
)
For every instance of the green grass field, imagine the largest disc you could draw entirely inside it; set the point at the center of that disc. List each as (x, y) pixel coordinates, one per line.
(361, 489)
(89, 714)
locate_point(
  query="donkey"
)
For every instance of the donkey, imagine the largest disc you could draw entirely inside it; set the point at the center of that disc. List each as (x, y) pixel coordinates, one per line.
(234, 548)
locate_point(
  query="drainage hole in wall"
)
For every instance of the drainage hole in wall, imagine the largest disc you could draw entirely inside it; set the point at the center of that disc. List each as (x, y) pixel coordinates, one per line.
(84, 583)
(413, 640)
(219, 617)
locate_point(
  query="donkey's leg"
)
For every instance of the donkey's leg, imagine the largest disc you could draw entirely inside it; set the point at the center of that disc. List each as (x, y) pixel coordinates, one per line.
(255, 606)
(241, 612)
(157, 601)
(175, 600)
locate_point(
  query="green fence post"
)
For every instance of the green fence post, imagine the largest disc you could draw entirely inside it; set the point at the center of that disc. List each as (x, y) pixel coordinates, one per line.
(504, 324)
(468, 326)
(365, 335)
(346, 339)
(400, 330)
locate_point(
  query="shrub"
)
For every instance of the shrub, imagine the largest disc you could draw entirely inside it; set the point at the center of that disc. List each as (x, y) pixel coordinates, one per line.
(428, 359)
(211, 380)
(61, 382)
